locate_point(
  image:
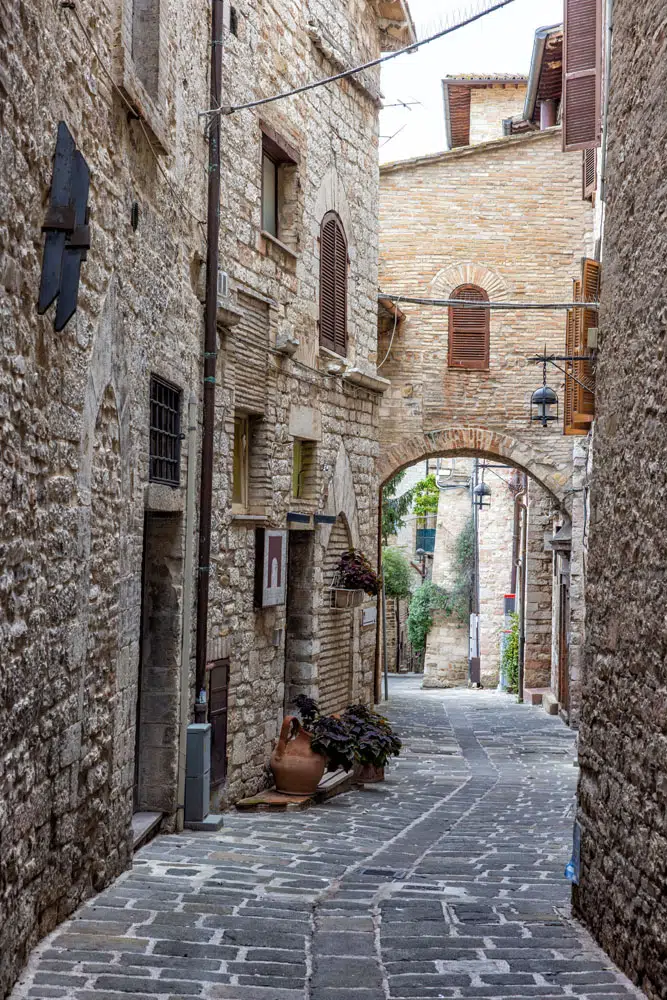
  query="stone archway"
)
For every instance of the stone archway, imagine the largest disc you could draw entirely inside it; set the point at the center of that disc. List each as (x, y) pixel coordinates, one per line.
(551, 474)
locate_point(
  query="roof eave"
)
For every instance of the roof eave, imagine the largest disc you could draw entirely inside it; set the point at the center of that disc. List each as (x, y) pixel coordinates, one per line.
(473, 150)
(539, 46)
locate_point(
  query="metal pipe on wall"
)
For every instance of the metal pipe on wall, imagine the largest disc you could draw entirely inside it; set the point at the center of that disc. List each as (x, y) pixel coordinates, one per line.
(186, 634)
(210, 357)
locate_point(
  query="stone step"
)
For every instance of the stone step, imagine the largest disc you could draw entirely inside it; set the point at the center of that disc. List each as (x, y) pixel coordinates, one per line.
(534, 696)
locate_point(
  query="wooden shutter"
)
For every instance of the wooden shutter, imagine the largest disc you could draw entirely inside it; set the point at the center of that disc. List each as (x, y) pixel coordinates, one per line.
(459, 115)
(469, 330)
(582, 72)
(589, 169)
(579, 408)
(333, 285)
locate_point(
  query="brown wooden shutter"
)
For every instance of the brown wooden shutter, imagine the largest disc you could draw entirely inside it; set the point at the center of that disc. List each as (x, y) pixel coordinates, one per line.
(333, 285)
(459, 115)
(582, 72)
(469, 330)
(589, 168)
(568, 406)
(579, 408)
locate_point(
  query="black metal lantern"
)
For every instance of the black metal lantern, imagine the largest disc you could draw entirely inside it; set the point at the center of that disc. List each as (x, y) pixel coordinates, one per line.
(480, 493)
(543, 401)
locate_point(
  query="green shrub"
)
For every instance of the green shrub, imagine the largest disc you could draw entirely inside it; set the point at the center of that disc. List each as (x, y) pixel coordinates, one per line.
(426, 496)
(394, 509)
(396, 573)
(425, 600)
(510, 657)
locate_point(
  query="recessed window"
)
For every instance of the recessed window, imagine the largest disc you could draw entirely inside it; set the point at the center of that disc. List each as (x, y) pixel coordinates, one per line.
(146, 43)
(165, 432)
(269, 195)
(241, 461)
(304, 470)
(333, 285)
(469, 329)
(279, 186)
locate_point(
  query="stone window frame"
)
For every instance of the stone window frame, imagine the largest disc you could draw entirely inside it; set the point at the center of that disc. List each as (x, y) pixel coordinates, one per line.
(151, 109)
(286, 158)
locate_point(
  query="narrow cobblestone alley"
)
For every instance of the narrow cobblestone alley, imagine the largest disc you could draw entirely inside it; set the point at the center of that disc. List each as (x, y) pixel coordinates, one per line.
(446, 881)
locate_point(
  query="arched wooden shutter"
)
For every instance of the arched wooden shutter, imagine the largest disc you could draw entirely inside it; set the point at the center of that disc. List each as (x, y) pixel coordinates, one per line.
(582, 74)
(333, 285)
(469, 330)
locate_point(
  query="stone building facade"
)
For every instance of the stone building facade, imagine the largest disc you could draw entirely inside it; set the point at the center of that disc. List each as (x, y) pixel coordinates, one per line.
(505, 217)
(98, 561)
(622, 749)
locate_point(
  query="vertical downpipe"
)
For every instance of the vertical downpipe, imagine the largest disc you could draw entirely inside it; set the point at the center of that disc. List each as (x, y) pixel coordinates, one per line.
(524, 588)
(186, 636)
(210, 356)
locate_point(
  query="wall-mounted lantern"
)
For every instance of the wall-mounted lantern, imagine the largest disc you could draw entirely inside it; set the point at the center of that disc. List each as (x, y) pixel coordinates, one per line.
(543, 401)
(480, 493)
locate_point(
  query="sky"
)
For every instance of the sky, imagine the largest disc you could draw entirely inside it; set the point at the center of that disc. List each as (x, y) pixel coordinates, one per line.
(501, 42)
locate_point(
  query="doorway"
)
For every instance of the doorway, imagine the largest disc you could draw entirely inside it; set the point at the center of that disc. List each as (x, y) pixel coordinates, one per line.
(157, 720)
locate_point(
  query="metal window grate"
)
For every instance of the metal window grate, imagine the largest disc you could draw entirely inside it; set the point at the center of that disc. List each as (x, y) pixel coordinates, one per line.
(165, 433)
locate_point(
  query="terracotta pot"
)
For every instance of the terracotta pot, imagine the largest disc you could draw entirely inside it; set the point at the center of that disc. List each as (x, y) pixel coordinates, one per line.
(368, 773)
(297, 770)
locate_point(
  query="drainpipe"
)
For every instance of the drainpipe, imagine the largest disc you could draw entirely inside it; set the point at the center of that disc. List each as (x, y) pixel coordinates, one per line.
(186, 636)
(524, 590)
(210, 355)
(605, 116)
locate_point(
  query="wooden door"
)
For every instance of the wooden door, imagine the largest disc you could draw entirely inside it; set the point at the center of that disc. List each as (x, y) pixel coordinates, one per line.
(563, 651)
(217, 716)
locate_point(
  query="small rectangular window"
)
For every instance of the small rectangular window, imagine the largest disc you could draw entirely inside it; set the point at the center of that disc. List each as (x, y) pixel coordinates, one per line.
(241, 462)
(269, 195)
(165, 433)
(304, 470)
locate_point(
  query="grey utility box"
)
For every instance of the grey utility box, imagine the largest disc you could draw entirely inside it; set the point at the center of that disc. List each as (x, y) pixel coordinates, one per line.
(198, 772)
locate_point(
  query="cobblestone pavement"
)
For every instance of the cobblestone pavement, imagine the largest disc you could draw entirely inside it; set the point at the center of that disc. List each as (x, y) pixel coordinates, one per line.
(445, 881)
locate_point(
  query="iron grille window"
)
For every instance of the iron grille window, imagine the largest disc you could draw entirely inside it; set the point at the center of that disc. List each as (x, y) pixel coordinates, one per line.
(165, 433)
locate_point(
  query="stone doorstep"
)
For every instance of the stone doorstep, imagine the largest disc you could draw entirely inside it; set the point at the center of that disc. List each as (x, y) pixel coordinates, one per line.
(331, 784)
(550, 703)
(143, 825)
(534, 696)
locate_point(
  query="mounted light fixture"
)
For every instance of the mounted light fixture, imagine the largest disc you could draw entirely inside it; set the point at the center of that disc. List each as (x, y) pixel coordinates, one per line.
(543, 401)
(480, 493)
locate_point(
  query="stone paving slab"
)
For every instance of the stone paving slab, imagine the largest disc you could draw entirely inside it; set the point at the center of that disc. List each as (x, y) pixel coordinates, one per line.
(445, 881)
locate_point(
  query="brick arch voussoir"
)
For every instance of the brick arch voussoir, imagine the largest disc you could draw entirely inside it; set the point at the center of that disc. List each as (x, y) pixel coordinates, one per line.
(469, 273)
(476, 442)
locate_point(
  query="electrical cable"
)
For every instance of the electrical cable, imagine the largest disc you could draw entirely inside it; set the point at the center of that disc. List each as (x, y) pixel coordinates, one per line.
(482, 304)
(393, 334)
(359, 69)
(70, 5)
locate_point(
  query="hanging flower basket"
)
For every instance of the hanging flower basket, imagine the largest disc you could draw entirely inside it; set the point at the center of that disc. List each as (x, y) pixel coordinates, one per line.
(342, 598)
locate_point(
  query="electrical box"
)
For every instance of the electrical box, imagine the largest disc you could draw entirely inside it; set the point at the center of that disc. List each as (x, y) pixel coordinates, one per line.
(223, 285)
(198, 772)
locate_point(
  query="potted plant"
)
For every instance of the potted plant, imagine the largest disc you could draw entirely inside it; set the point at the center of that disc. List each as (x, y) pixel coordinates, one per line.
(375, 742)
(307, 746)
(354, 578)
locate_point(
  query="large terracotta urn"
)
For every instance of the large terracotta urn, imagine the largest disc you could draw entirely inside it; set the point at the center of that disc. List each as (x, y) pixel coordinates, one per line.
(296, 768)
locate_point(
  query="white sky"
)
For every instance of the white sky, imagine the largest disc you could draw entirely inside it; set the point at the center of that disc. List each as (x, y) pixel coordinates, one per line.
(501, 42)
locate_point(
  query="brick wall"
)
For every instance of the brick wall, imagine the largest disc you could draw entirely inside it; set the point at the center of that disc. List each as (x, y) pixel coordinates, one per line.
(489, 106)
(623, 741)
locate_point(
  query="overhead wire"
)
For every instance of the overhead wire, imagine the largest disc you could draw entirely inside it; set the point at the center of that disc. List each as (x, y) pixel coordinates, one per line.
(344, 74)
(393, 334)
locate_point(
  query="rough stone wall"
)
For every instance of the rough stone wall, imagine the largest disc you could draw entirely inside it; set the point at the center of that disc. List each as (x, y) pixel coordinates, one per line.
(496, 525)
(623, 740)
(489, 106)
(539, 590)
(446, 656)
(74, 432)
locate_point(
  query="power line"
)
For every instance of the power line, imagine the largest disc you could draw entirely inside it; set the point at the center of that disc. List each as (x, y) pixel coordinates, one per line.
(485, 304)
(230, 109)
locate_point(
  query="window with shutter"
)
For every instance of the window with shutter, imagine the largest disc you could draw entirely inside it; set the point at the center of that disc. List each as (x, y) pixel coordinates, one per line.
(469, 330)
(590, 167)
(333, 285)
(579, 409)
(582, 72)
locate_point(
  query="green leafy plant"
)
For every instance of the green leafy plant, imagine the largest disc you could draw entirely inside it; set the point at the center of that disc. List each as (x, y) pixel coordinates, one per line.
(510, 657)
(426, 496)
(396, 573)
(394, 508)
(356, 573)
(375, 740)
(425, 600)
